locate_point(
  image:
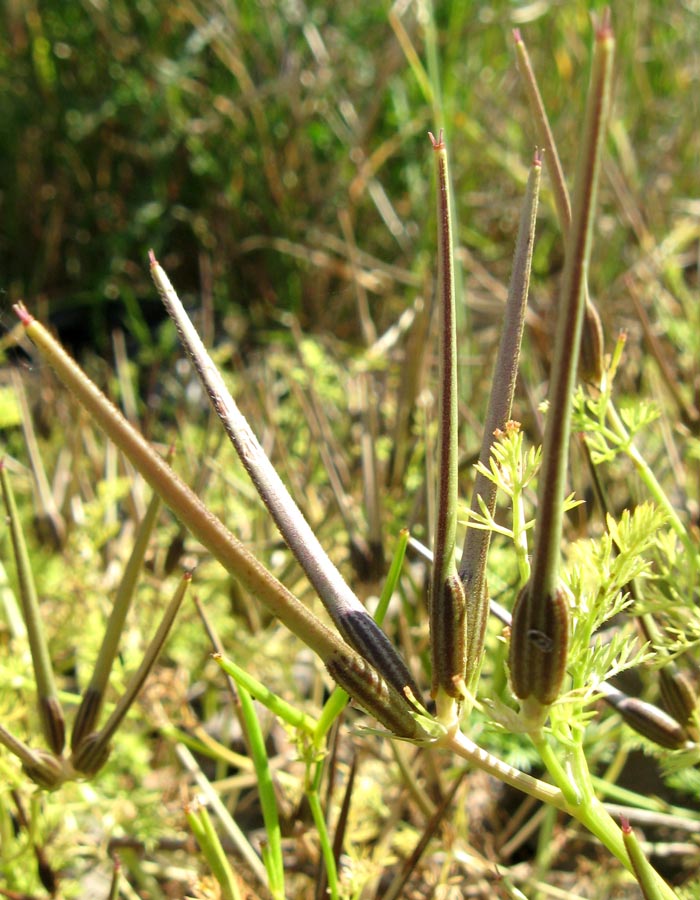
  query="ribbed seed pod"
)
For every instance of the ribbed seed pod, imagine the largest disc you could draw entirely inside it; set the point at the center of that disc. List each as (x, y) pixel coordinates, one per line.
(449, 637)
(53, 723)
(92, 754)
(679, 697)
(539, 644)
(591, 363)
(650, 721)
(381, 699)
(48, 772)
(86, 717)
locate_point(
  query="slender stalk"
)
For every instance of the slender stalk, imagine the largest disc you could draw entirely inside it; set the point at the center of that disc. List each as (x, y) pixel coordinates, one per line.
(279, 707)
(472, 568)
(312, 795)
(239, 840)
(93, 751)
(545, 568)
(49, 707)
(93, 697)
(592, 339)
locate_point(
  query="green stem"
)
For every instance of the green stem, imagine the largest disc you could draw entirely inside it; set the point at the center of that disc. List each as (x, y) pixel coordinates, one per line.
(559, 776)
(273, 857)
(312, 796)
(583, 805)
(464, 747)
(203, 830)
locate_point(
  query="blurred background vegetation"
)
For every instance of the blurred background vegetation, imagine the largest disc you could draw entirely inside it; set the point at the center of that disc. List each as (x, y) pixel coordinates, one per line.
(275, 156)
(260, 147)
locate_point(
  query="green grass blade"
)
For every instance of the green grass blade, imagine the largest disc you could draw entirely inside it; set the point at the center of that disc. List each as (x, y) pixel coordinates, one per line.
(272, 857)
(285, 711)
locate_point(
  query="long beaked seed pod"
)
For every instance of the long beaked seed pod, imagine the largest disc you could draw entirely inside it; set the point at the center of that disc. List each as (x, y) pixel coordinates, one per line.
(555, 452)
(591, 361)
(472, 567)
(340, 601)
(447, 601)
(539, 644)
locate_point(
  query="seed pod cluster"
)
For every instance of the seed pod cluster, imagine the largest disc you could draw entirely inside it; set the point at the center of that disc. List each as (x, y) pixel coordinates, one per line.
(539, 644)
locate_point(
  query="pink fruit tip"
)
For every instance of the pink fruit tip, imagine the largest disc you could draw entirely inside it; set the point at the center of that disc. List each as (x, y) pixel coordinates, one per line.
(25, 317)
(625, 825)
(603, 25)
(439, 143)
(537, 158)
(152, 258)
(516, 36)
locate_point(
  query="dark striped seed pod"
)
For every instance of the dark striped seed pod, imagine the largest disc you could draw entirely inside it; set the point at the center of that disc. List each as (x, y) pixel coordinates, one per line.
(650, 721)
(92, 754)
(379, 698)
(678, 696)
(539, 644)
(591, 363)
(86, 716)
(449, 638)
(48, 771)
(52, 723)
(366, 637)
